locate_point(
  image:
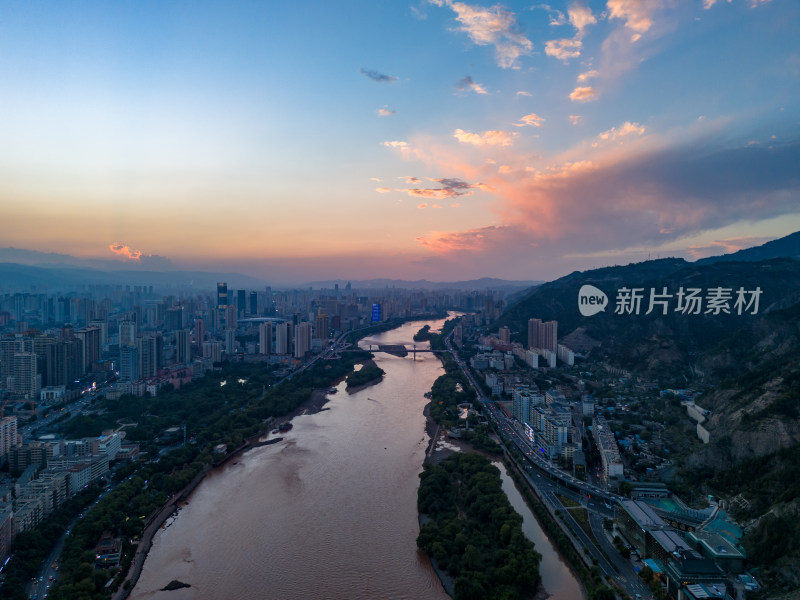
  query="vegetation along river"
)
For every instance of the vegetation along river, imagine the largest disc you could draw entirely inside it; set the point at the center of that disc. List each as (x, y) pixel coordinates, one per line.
(329, 512)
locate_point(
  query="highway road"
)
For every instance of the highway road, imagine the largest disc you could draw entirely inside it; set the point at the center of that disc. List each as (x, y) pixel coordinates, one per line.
(549, 482)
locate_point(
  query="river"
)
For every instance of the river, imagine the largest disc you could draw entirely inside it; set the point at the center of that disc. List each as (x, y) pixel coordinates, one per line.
(329, 512)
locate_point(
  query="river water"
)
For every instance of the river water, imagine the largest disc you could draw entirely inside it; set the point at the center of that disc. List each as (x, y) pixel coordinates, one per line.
(329, 512)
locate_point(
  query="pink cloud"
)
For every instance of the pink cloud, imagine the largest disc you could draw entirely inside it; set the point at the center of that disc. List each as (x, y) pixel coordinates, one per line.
(583, 94)
(487, 138)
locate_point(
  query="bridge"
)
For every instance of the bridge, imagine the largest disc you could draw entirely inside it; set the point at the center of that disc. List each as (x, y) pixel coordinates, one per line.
(402, 350)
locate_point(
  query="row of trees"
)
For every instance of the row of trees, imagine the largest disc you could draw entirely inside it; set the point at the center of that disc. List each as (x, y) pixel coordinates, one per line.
(473, 533)
(213, 413)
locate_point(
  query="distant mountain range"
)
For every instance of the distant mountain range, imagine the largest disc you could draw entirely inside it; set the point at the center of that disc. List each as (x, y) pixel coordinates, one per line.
(485, 283)
(16, 277)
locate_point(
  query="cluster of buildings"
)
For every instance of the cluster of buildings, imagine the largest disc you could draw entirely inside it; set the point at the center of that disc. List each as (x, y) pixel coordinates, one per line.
(697, 554)
(51, 345)
(51, 471)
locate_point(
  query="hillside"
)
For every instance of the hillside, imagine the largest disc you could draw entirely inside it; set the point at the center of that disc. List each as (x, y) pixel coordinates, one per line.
(670, 346)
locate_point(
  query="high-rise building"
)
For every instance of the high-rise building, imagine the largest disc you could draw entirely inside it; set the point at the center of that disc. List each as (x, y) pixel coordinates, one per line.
(90, 336)
(505, 335)
(213, 350)
(282, 338)
(302, 339)
(240, 302)
(199, 332)
(548, 336)
(149, 356)
(323, 327)
(231, 318)
(253, 303)
(230, 341)
(26, 382)
(127, 333)
(265, 338)
(174, 320)
(222, 295)
(183, 347)
(8, 435)
(533, 333)
(129, 363)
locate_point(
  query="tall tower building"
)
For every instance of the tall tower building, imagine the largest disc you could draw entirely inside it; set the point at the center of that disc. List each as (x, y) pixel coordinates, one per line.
(90, 336)
(302, 340)
(548, 335)
(231, 318)
(282, 338)
(129, 363)
(253, 304)
(533, 333)
(148, 356)
(222, 295)
(265, 338)
(26, 382)
(240, 302)
(183, 347)
(323, 331)
(199, 332)
(230, 341)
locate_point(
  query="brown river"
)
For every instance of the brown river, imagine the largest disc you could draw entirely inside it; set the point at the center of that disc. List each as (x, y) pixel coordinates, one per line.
(328, 513)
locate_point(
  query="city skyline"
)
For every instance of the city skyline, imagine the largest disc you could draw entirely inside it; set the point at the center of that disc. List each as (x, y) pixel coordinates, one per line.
(440, 140)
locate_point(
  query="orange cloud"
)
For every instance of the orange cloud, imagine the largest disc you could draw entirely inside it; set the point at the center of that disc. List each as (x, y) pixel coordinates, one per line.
(583, 94)
(627, 128)
(125, 251)
(487, 138)
(531, 119)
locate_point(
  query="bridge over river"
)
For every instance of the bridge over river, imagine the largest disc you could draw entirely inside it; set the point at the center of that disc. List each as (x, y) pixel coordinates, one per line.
(401, 349)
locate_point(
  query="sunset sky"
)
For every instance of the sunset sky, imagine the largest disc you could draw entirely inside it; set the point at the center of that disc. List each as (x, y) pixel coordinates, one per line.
(435, 139)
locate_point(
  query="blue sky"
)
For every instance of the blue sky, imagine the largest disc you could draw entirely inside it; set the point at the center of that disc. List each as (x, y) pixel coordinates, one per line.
(434, 139)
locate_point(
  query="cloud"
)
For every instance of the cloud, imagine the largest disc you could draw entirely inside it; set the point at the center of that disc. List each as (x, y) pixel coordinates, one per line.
(626, 201)
(383, 190)
(406, 151)
(726, 245)
(575, 119)
(379, 77)
(493, 26)
(126, 251)
(411, 180)
(450, 188)
(385, 112)
(521, 93)
(580, 17)
(556, 16)
(487, 138)
(583, 94)
(627, 128)
(422, 206)
(587, 75)
(468, 84)
(563, 49)
(709, 3)
(471, 241)
(377, 179)
(530, 120)
(637, 14)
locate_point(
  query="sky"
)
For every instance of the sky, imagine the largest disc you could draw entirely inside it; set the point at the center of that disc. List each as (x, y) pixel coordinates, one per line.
(430, 139)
